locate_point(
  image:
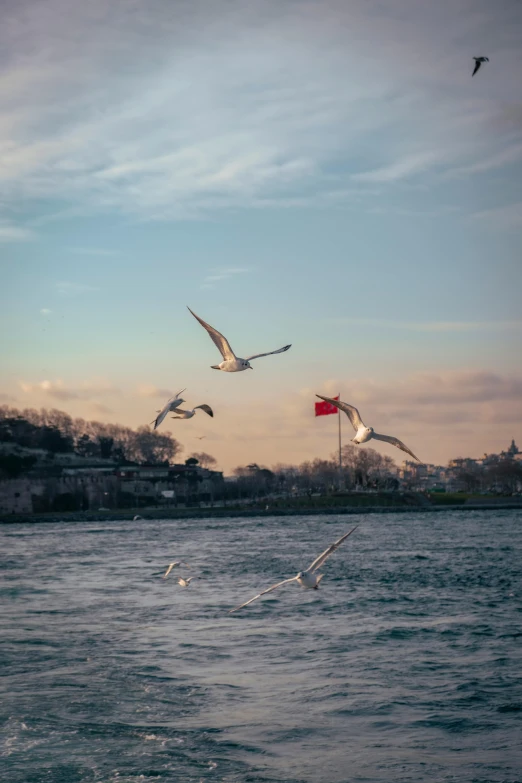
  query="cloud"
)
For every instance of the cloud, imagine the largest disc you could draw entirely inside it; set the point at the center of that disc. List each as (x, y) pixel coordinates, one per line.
(98, 407)
(71, 289)
(446, 388)
(508, 216)
(92, 251)
(400, 169)
(433, 326)
(258, 107)
(222, 274)
(59, 391)
(12, 233)
(149, 390)
(45, 311)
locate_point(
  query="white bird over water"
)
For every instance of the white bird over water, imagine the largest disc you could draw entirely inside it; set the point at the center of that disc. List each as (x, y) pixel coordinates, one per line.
(185, 582)
(364, 433)
(171, 405)
(190, 414)
(173, 565)
(231, 362)
(310, 578)
(478, 63)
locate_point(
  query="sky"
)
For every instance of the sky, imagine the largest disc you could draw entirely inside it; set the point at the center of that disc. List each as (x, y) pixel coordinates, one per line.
(327, 174)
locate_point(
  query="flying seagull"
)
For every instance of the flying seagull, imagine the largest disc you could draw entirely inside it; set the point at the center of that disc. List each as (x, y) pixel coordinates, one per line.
(231, 362)
(185, 582)
(478, 63)
(364, 433)
(190, 414)
(200, 437)
(171, 566)
(171, 405)
(309, 578)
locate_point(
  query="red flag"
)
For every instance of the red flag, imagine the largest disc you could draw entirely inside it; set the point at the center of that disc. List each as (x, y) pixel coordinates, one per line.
(324, 408)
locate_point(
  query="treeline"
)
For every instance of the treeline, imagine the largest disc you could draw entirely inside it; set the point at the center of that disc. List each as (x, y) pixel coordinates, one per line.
(58, 433)
(505, 475)
(360, 467)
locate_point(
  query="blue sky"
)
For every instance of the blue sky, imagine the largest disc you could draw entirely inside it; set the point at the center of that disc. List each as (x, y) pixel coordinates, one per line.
(326, 174)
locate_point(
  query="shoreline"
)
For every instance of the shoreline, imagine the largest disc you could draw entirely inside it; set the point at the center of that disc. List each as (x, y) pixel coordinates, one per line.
(220, 513)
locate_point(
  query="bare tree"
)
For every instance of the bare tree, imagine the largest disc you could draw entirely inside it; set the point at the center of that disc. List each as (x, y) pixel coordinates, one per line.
(204, 459)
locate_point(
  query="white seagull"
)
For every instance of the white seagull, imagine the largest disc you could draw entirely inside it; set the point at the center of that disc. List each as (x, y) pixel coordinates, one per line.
(190, 414)
(309, 578)
(185, 582)
(364, 433)
(173, 565)
(231, 362)
(478, 63)
(170, 406)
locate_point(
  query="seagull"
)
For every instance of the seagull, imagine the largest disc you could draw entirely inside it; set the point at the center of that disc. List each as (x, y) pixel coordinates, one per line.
(190, 414)
(200, 437)
(364, 433)
(231, 362)
(309, 578)
(170, 406)
(171, 566)
(478, 63)
(137, 518)
(185, 582)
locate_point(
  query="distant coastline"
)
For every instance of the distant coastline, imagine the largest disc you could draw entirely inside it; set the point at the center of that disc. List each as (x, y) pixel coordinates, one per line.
(217, 512)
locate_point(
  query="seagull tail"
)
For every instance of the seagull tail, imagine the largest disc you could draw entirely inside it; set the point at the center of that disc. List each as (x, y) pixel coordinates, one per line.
(319, 577)
(214, 366)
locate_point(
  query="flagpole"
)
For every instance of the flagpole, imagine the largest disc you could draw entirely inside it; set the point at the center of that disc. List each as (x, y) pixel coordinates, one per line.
(340, 458)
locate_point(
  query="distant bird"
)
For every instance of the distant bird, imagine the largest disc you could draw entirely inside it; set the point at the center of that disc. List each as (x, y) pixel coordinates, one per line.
(185, 582)
(190, 414)
(170, 406)
(478, 63)
(137, 518)
(200, 437)
(309, 578)
(173, 565)
(364, 433)
(231, 362)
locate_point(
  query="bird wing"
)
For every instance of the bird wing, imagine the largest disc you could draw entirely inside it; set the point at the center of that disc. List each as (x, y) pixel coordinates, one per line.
(477, 66)
(182, 412)
(219, 340)
(169, 569)
(180, 392)
(161, 415)
(259, 355)
(268, 590)
(351, 412)
(205, 408)
(170, 405)
(330, 550)
(395, 442)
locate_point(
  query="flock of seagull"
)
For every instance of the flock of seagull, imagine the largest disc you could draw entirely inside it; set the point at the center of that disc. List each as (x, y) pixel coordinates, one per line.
(310, 578)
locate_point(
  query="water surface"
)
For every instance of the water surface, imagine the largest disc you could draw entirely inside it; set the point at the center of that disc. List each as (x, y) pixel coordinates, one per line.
(405, 666)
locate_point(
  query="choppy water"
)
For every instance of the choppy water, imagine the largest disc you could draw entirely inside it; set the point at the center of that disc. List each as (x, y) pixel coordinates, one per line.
(405, 666)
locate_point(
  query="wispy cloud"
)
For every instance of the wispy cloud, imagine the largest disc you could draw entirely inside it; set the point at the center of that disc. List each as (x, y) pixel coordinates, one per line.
(92, 251)
(508, 216)
(400, 169)
(223, 274)
(60, 391)
(432, 326)
(9, 232)
(149, 390)
(250, 109)
(71, 289)
(45, 311)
